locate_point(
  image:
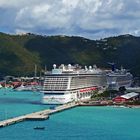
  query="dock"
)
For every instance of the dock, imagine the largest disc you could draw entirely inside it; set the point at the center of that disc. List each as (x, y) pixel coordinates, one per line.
(40, 115)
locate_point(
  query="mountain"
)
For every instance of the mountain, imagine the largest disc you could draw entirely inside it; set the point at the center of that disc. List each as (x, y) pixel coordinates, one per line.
(19, 53)
(14, 58)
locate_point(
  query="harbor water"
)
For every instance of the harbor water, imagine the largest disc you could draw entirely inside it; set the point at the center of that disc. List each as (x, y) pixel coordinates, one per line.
(15, 103)
(80, 123)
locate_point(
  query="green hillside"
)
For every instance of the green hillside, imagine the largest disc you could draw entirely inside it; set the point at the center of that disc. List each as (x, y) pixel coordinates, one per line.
(19, 53)
(14, 58)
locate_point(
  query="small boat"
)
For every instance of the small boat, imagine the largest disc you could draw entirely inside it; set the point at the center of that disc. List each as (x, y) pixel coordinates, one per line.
(1, 86)
(39, 128)
(23, 88)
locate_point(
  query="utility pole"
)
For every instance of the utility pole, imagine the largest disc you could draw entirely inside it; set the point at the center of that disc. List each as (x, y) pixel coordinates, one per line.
(45, 68)
(35, 71)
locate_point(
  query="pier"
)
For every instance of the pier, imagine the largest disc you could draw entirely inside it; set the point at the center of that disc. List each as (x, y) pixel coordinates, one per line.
(40, 115)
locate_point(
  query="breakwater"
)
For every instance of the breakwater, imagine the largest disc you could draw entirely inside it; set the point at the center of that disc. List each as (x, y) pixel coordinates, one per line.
(40, 115)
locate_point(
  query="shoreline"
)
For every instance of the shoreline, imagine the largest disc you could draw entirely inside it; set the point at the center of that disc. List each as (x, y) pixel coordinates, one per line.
(125, 106)
(107, 103)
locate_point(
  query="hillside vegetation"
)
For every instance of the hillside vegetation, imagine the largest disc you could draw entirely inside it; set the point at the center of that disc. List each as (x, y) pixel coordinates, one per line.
(19, 53)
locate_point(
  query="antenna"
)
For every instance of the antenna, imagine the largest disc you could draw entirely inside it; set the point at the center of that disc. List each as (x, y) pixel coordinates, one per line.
(35, 71)
(45, 68)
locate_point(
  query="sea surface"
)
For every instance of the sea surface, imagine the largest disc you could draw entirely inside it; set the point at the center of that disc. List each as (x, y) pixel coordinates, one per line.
(79, 123)
(15, 103)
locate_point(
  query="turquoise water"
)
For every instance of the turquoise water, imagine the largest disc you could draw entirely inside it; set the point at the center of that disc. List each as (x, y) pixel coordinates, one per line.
(80, 123)
(13, 103)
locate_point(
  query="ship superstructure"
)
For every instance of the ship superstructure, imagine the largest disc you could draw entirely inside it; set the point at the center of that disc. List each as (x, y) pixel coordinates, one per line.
(72, 83)
(119, 78)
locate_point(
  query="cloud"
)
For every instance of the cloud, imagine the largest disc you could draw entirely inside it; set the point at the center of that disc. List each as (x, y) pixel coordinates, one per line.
(88, 18)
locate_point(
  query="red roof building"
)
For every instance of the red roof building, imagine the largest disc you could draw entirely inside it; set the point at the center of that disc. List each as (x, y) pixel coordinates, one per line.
(126, 97)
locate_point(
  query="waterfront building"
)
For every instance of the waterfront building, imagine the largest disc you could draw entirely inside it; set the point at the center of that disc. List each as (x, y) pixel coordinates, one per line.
(126, 97)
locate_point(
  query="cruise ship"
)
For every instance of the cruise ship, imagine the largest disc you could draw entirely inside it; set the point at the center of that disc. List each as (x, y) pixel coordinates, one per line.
(119, 78)
(69, 83)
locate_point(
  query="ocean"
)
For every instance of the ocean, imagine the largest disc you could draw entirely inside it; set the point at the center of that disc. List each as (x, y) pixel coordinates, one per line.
(79, 123)
(15, 103)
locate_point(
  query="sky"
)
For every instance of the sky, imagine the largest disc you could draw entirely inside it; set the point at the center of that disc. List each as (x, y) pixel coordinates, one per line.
(92, 19)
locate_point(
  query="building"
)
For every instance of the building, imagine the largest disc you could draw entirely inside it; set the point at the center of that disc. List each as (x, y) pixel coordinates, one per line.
(126, 97)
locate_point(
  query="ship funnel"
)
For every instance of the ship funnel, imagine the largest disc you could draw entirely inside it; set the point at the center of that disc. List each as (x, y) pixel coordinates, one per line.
(122, 69)
(62, 66)
(94, 66)
(112, 66)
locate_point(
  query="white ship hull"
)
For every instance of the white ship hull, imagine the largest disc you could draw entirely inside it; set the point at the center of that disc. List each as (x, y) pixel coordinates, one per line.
(56, 99)
(66, 97)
